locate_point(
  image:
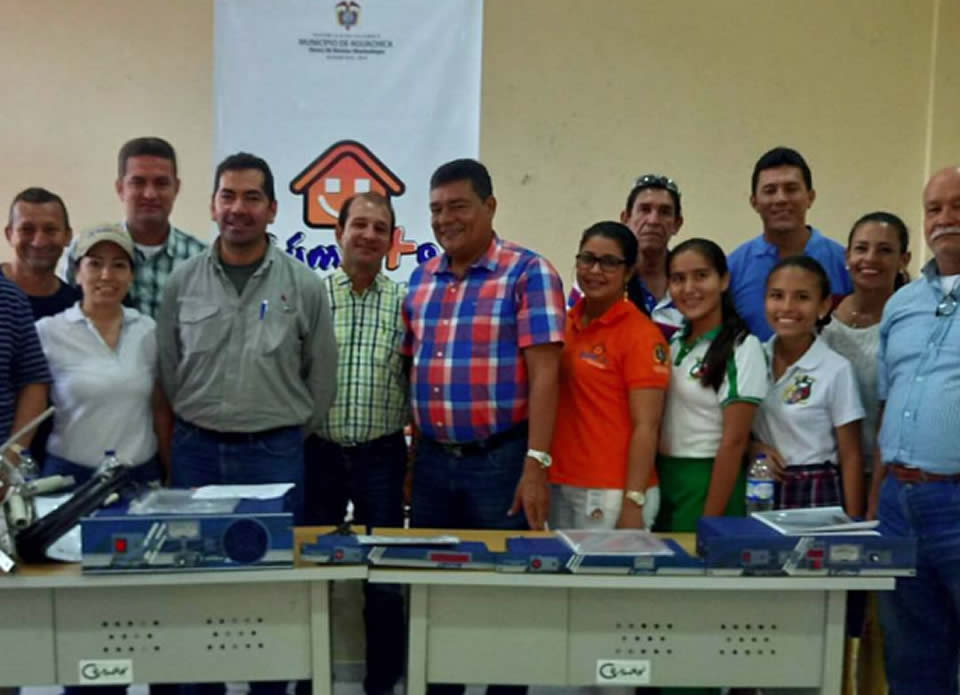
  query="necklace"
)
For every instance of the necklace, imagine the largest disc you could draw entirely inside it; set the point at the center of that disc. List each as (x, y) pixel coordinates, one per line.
(863, 319)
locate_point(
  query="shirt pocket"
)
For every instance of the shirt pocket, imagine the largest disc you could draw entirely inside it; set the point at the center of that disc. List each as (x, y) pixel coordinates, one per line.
(278, 332)
(201, 327)
(387, 341)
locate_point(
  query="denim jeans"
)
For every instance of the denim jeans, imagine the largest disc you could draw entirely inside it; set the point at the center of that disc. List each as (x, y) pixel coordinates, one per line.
(921, 617)
(371, 475)
(204, 457)
(469, 491)
(148, 472)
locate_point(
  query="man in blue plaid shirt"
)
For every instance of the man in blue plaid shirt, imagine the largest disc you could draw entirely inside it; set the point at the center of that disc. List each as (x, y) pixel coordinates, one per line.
(147, 185)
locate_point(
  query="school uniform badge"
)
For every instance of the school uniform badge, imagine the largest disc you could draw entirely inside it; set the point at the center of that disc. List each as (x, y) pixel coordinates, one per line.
(660, 353)
(697, 369)
(799, 391)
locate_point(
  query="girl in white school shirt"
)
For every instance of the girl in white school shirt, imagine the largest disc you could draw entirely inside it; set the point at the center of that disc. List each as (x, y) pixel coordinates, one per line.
(718, 378)
(809, 423)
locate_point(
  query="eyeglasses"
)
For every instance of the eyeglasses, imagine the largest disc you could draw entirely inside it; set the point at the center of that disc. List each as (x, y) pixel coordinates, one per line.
(657, 181)
(947, 306)
(608, 264)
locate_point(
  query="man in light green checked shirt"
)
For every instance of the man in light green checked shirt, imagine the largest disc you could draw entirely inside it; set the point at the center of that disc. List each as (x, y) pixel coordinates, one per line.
(359, 452)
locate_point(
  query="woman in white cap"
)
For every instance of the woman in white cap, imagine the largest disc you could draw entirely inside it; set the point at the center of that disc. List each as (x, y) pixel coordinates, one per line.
(103, 357)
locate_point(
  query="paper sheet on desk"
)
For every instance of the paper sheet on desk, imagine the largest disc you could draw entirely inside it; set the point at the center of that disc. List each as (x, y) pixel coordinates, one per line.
(67, 548)
(821, 520)
(268, 491)
(613, 542)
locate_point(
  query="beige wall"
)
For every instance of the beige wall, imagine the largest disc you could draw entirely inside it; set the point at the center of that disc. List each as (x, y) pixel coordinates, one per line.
(79, 77)
(578, 98)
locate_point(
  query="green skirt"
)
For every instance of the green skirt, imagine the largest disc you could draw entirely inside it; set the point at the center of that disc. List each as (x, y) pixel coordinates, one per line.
(684, 483)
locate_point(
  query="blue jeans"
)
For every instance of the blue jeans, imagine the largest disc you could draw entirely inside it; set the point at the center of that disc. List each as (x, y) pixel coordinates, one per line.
(371, 476)
(468, 489)
(148, 472)
(921, 617)
(473, 490)
(203, 457)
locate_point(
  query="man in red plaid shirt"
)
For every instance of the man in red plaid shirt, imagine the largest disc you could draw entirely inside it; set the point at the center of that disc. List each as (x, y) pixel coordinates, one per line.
(484, 331)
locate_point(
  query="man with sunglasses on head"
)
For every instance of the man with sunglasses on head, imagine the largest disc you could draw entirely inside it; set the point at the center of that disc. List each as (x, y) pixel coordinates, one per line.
(916, 480)
(654, 216)
(653, 213)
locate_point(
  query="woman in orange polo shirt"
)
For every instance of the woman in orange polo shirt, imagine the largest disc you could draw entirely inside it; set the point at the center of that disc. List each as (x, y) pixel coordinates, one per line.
(613, 376)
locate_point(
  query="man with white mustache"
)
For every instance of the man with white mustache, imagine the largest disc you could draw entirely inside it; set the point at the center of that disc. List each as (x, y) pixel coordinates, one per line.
(917, 476)
(247, 354)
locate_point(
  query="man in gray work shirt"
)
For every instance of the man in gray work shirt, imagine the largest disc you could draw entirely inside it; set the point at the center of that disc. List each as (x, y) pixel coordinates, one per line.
(247, 353)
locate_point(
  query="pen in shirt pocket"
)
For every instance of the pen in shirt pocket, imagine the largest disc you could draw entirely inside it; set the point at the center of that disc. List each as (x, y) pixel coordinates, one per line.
(264, 305)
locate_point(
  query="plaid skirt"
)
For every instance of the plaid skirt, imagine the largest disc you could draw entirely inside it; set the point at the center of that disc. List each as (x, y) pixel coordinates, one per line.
(803, 487)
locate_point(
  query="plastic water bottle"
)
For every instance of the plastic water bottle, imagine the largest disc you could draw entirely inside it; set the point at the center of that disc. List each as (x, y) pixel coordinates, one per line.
(109, 461)
(28, 466)
(760, 485)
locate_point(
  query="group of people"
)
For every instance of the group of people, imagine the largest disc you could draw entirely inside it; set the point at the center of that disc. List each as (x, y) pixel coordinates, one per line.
(636, 406)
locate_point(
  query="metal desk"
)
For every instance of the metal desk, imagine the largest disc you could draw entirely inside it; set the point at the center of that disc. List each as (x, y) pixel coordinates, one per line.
(189, 627)
(482, 627)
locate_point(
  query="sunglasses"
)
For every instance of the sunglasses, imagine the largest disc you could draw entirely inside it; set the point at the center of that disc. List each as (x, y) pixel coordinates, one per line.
(657, 181)
(947, 306)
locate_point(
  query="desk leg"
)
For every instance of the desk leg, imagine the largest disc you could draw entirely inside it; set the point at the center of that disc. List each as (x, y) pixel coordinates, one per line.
(834, 630)
(321, 655)
(416, 680)
(833, 642)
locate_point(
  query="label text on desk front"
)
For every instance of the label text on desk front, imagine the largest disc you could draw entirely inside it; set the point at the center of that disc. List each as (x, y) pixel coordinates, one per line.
(106, 671)
(623, 671)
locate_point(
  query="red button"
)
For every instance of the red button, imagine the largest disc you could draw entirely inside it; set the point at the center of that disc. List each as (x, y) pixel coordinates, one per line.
(120, 545)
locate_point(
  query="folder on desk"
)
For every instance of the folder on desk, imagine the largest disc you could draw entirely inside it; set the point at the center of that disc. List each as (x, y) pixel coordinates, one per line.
(553, 555)
(472, 555)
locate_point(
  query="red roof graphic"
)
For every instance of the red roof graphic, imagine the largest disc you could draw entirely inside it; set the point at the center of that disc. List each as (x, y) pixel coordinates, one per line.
(344, 169)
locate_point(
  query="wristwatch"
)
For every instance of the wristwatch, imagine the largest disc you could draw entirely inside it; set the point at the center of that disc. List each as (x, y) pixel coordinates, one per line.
(636, 496)
(542, 457)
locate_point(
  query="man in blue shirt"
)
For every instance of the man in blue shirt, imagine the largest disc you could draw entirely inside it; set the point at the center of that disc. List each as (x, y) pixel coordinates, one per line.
(781, 191)
(917, 477)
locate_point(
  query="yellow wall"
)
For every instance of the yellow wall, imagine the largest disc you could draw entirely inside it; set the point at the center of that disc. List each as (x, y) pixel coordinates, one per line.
(578, 98)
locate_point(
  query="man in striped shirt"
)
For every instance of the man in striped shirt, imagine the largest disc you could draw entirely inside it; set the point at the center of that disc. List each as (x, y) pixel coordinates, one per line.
(359, 452)
(484, 330)
(24, 375)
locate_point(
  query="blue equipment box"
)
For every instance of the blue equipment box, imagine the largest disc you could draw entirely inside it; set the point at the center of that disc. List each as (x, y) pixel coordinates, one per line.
(334, 549)
(552, 555)
(242, 534)
(742, 545)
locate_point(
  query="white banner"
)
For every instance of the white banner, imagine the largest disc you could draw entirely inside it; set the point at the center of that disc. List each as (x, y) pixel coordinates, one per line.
(345, 96)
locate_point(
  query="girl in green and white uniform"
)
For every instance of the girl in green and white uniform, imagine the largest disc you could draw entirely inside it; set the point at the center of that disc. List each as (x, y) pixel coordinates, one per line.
(719, 378)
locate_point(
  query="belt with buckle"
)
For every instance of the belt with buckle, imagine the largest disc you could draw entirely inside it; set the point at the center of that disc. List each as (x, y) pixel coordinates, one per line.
(909, 474)
(481, 446)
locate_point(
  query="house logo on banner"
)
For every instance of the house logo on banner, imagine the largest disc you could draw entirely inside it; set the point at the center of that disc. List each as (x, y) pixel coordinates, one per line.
(341, 171)
(348, 14)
